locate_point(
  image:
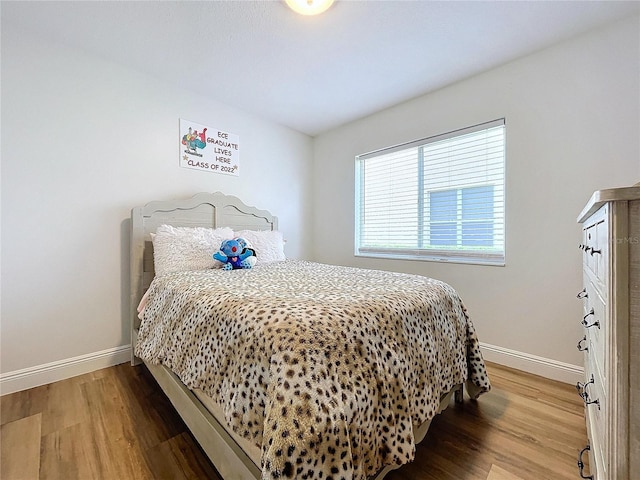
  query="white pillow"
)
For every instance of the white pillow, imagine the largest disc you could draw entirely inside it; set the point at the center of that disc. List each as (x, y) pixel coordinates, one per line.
(179, 249)
(268, 244)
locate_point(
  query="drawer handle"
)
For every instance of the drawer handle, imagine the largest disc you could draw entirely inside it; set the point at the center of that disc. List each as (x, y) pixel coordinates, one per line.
(583, 294)
(587, 248)
(582, 386)
(591, 402)
(593, 250)
(594, 324)
(585, 395)
(581, 463)
(580, 347)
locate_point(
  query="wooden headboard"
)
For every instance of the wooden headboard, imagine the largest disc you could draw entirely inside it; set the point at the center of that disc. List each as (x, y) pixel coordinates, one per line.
(212, 210)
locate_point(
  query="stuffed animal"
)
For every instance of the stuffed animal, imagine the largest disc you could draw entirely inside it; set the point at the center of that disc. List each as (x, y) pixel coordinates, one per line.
(246, 246)
(235, 254)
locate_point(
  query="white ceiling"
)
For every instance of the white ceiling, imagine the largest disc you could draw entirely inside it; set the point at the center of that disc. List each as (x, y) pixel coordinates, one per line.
(312, 73)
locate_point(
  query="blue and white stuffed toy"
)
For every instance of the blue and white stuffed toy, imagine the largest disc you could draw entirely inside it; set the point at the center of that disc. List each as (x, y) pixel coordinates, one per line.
(235, 253)
(247, 247)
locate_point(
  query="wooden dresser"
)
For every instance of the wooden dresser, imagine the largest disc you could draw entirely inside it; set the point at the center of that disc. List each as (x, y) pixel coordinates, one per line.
(611, 343)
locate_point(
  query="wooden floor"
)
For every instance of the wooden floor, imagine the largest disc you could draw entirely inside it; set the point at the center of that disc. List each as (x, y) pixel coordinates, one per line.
(116, 424)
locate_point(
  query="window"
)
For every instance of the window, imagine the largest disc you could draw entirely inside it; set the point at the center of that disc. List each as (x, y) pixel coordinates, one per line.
(440, 198)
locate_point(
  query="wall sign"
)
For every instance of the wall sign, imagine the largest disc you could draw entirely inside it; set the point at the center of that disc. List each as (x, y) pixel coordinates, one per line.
(209, 149)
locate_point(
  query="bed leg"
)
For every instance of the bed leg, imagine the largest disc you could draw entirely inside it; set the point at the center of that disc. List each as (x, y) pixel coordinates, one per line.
(135, 360)
(457, 395)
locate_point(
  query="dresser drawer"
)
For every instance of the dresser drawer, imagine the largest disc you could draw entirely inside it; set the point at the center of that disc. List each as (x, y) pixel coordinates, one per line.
(595, 246)
(597, 462)
(590, 241)
(601, 253)
(595, 413)
(594, 322)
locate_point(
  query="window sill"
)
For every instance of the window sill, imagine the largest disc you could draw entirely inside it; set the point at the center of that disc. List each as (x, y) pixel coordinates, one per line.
(496, 261)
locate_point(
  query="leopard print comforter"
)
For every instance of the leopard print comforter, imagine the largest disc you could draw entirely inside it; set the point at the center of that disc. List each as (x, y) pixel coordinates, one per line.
(325, 368)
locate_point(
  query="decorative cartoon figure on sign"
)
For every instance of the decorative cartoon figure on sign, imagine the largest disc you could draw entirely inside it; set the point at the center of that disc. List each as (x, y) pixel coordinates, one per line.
(194, 140)
(208, 149)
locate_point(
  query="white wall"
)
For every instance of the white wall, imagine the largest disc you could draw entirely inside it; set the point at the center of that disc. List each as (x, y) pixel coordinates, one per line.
(573, 116)
(84, 141)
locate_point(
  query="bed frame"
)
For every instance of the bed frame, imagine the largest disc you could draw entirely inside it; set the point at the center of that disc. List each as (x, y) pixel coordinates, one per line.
(211, 210)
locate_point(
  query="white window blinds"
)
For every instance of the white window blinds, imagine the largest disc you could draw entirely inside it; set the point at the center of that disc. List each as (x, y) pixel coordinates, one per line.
(439, 198)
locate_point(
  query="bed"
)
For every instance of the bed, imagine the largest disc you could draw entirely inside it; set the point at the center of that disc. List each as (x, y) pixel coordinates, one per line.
(294, 369)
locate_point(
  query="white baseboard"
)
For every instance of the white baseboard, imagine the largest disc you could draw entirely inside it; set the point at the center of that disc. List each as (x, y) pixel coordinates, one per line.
(52, 372)
(545, 367)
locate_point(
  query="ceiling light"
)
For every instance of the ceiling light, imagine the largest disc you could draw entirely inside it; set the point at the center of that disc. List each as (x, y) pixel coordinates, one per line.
(309, 7)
